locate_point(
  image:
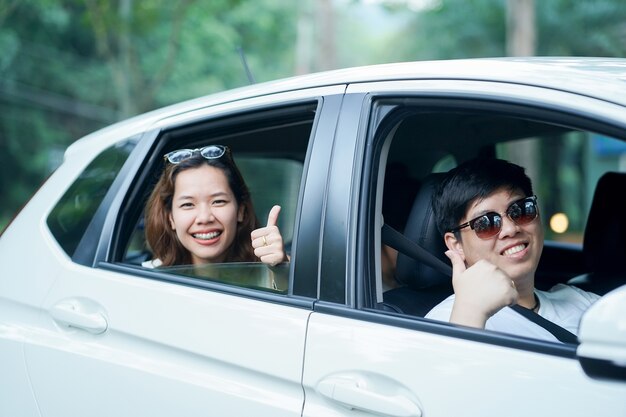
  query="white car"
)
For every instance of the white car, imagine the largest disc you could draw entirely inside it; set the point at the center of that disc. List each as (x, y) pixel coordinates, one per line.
(86, 330)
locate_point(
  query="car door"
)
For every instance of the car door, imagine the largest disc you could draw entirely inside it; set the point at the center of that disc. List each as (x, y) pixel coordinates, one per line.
(118, 339)
(119, 345)
(363, 359)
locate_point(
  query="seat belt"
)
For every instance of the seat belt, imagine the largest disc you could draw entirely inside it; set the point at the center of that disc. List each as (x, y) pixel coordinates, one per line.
(557, 331)
(401, 243)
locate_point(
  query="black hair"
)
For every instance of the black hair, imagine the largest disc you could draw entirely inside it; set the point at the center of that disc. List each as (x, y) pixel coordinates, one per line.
(473, 180)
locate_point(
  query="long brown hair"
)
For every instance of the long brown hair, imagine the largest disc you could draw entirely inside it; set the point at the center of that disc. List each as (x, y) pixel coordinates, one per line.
(163, 240)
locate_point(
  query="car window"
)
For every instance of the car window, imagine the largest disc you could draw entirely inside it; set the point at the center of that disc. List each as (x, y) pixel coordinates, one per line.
(564, 162)
(570, 165)
(70, 217)
(270, 149)
(273, 180)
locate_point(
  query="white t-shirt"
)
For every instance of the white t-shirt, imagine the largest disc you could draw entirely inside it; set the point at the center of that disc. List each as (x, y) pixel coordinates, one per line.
(152, 263)
(562, 304)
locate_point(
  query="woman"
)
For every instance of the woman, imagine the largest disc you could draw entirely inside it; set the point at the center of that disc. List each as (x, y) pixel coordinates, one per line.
(200, 212)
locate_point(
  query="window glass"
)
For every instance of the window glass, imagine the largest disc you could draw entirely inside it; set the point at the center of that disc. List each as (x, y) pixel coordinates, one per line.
(273, 181)
(445, 164)
(565, 169)
(253, 275)
(564, 163)
(74, 211)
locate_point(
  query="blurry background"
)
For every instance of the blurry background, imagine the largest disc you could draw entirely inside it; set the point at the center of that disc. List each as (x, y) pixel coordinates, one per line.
(69, 67)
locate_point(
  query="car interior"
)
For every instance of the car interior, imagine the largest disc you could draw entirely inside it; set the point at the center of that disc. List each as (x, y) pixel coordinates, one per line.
(422, 142)
(269, 148)
(426, 143)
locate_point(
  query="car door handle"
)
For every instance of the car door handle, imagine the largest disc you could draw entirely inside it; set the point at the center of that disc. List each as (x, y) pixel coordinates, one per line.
(362, 394)
(79, 314)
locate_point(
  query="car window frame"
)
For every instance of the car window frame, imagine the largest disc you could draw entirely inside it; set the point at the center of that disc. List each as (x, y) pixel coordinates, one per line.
(302, 291)
(93, 242)
(154, 160)
(366, 301)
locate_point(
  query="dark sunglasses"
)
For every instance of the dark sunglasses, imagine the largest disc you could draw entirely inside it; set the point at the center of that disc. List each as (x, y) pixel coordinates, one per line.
(488, 225)
(207, 152)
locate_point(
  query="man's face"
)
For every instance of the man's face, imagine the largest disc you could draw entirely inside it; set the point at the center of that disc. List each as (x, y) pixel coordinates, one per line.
(516, 249)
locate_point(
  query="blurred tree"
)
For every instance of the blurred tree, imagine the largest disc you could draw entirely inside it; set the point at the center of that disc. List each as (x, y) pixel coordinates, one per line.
(118, 33)
(327, 41)
(304, 41)
(316, 44)
(69, 67)
(520, 28)
(6, 7)
(453, 29)
(520, 41)
(582, 28)
(488, 28)
(72, 66)
(460, 28)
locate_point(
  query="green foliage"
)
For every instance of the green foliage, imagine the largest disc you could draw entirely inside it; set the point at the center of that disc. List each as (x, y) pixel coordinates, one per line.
(70, 67)
(477, 28)
(454, 29)
(581, 28)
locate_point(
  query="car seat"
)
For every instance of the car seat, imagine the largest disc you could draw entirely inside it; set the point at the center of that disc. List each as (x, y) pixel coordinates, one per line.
(423, 287)
(604, 244)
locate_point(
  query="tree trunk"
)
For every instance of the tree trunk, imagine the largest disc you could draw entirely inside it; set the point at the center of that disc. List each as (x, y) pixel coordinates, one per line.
(520, 31)
(124, 92)
(325, 24)
(520, 41)
(304, 41)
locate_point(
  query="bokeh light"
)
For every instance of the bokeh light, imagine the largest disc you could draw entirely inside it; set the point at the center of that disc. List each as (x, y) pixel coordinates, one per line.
(559, 223)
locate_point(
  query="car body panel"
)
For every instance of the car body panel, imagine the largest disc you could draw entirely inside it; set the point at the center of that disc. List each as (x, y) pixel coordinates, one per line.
(132, 339)
(603, 329)
(441, 376)
(531, 95)
(15, 388)
(99, 338)
(161, 361)
(23, 289)
(433, 369)
(603, 79)
(220, 104)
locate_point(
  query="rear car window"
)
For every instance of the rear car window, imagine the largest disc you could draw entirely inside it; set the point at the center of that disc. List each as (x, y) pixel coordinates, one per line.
(269, 147)
(273, 181)
(74, 211)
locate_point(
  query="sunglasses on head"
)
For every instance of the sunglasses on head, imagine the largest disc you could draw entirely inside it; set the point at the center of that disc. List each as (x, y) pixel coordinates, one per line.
(207, 152)
(488, 225)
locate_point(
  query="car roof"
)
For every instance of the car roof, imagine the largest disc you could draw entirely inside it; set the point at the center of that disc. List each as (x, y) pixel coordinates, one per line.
(601, 78)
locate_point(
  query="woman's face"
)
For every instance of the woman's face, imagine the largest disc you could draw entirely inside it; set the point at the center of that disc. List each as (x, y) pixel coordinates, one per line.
(205, 213)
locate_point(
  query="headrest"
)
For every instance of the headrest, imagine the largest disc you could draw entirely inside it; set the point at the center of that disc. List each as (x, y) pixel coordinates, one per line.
(422, 229)
(604, 245)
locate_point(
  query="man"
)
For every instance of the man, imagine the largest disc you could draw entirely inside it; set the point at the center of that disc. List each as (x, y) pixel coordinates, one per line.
(488, 215)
